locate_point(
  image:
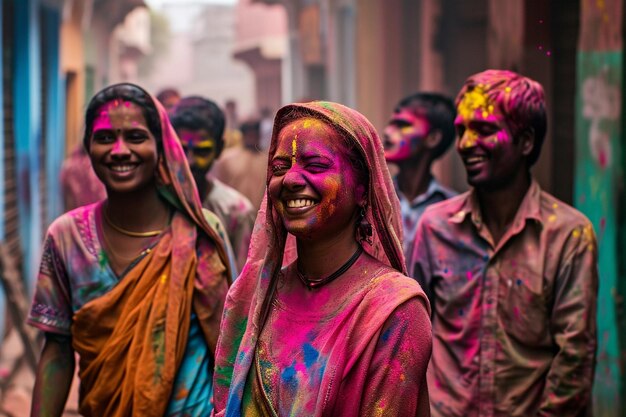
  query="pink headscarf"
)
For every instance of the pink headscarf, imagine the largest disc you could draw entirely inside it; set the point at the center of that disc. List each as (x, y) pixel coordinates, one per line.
(249, 297)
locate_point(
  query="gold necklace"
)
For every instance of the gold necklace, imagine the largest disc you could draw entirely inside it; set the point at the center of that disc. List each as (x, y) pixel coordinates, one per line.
(117, 255)
(129, 232)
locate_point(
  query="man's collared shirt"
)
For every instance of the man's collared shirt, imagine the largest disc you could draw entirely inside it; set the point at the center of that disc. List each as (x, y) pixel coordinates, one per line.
(514, 324)
(413, 210)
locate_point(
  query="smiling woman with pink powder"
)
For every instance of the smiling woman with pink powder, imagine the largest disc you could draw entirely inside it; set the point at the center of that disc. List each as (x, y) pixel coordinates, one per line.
(341, 331)
(135, 283)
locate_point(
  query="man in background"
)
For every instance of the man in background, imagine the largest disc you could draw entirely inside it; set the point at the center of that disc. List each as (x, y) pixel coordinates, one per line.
(419, 132)
(168, 97)
(511, 272)
(199, 124)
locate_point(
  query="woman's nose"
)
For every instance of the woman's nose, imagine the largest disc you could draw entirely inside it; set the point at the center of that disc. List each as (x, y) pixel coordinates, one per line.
(120, 147)
(293, 178)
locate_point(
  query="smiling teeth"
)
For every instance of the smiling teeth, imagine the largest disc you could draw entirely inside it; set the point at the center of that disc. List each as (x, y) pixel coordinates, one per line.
(299, 203)
(475, 159)
(122, 168)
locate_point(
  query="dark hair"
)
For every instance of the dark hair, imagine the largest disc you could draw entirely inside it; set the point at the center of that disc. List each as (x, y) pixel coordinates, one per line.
(440, 112)
(127, 92)
(167, 93)
(198, 113)
(520, 99)
(250, 126)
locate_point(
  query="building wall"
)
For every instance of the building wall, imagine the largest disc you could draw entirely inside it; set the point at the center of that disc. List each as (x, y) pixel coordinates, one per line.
(73, 68)
(215, 72)
(261, 44)
(33, 134)
(198, 60)
(599, 184)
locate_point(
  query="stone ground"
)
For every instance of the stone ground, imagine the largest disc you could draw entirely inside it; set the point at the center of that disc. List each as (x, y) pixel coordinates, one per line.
(16, 400)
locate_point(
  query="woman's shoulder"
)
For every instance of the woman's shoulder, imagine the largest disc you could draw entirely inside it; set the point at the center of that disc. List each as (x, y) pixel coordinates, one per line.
(81, 218)
(392, 288)
(388, 278)
(397, 282)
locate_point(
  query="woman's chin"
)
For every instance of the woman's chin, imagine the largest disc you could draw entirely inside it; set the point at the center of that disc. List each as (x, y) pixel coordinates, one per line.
(301, 230)
(126, 187)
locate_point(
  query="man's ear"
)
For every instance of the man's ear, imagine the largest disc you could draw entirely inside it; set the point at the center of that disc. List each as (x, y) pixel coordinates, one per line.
(527, 141)
(433, 139)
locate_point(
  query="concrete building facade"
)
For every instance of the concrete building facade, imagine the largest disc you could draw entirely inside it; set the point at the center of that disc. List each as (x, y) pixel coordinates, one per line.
(198, 59)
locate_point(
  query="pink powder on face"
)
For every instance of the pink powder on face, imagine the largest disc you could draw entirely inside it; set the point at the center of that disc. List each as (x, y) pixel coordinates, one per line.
(103, 120)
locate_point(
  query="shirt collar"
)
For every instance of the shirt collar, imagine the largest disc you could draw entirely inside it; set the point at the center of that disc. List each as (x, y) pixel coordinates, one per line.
(434, 187)
(530, 208)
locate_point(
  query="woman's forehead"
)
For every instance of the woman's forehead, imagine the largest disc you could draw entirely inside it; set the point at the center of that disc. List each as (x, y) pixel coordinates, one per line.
(120, 110)
(310, 132)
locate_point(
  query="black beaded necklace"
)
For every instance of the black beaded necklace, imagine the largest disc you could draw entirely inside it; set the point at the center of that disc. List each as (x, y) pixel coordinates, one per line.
(313, 283)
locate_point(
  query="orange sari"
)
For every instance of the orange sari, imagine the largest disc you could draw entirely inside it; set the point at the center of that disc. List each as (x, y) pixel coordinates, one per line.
(131, 340)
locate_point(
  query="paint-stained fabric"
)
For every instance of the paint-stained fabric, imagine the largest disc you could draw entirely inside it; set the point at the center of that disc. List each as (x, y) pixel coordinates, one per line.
(514, 324)
(237, 215)
(412, 210)
(134, 333)
(357, 353)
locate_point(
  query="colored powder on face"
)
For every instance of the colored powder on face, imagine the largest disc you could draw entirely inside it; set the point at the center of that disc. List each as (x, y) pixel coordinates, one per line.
(294, 150)
(332, 185)
(470, 139)
(503, 137)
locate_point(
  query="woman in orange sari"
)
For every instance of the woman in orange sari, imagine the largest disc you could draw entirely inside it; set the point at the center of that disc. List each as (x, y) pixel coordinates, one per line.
(341, 331)
(135, 284)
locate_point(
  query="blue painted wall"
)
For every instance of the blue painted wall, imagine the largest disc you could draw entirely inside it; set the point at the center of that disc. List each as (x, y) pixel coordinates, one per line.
(28, 128)
(55, 113)
(2, 301)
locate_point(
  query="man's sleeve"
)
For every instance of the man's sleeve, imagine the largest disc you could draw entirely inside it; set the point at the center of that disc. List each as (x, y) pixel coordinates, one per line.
(573, 325)
(418, 265)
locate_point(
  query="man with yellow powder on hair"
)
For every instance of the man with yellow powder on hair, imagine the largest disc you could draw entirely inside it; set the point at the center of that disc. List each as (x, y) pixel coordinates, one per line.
(511, 272)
